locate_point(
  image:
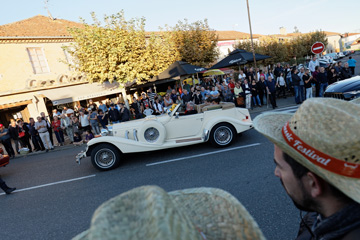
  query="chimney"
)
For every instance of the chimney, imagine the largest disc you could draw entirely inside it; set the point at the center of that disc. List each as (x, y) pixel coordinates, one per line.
(282, 31)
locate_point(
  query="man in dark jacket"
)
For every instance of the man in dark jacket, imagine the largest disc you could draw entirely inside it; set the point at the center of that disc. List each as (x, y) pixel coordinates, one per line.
(323, 81)
(296, 83)
(14, 134)
(6, 141)
(278, 69)
(345, 72)
(35, 138)
(271, 88)
(114, 114)
(136, 106)
(124, 113)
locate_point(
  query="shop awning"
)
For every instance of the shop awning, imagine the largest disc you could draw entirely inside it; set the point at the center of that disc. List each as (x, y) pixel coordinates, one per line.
(80, 92)
(16, 100)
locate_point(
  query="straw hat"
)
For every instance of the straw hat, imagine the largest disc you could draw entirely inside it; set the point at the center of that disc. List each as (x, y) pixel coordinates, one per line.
(149, 212)
(324, 136)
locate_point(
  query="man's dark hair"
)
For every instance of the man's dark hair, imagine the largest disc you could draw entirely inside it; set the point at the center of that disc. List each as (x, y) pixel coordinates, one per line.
(300, 171)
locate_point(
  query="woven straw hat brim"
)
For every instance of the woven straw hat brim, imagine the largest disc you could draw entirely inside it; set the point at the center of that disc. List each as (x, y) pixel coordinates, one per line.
(217, 214)
(270, 125)
(149, 212)
(356, 100)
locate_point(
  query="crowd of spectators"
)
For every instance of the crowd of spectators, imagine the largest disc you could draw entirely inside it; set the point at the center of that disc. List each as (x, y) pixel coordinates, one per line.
(248, 88)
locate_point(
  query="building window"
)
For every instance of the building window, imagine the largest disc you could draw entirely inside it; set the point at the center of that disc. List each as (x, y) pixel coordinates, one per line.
(38, 60)
(69, 59)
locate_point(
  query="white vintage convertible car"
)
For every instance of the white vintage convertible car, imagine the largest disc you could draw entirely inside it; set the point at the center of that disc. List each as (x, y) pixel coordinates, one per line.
(218, 124)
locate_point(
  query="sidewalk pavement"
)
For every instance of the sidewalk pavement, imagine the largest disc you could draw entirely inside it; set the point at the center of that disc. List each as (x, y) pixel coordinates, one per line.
(281, 103)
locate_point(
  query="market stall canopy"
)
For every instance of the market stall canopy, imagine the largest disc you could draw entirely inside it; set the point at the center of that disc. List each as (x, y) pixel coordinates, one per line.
(177, 69)
(80, 92)
(237, 57)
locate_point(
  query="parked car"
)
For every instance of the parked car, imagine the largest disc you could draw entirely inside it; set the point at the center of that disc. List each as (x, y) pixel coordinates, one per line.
(348, 89)
(341, 55)
(218, 124)
(333, 55)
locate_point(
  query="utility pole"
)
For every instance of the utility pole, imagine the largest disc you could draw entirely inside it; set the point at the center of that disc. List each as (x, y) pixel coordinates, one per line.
(252, 41)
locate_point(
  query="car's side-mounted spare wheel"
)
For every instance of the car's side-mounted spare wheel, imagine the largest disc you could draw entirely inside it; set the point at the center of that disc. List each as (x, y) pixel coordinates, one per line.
(105, 157)
(222, 135)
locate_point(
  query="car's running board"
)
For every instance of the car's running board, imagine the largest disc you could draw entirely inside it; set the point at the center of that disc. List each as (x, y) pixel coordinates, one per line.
(188, 140)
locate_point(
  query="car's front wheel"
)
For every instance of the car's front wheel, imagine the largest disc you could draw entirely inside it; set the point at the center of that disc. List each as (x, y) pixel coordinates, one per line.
(222, 135)
(105, 157)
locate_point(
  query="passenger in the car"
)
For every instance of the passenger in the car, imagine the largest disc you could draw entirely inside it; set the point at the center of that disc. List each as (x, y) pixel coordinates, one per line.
(190, 108)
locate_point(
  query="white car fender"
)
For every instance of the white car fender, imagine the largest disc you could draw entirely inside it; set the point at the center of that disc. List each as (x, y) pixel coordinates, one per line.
(234, 122)
(159, 127)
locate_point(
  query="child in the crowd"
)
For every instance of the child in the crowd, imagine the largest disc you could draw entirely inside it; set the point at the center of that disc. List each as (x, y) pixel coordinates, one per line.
(148, 111)
(77, 139)
(88, 136)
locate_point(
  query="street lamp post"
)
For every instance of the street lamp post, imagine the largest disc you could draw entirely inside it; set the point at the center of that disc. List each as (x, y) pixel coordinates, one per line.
(252, 41)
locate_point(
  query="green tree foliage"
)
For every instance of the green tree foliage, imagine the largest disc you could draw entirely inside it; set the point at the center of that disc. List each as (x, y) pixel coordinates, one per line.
(195, 42)
(284, 50)
(119, 50)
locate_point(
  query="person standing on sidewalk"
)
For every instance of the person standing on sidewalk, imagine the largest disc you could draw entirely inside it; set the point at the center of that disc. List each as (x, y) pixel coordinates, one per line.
(296, 83)
(313, 64)
(46, 119)
(35, 138)
(25, 136)
(6, 141)
(323, 80)
(271, 90)
(308, 79)
(281, 84)
(94, 121)
(14, 134)
(42, 128)
(56, 125)
(66, 125)
(352, 64)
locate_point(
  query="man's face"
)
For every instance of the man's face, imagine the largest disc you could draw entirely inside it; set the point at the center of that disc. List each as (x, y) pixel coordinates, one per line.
(293, 186)
(39, 119)
(173, 91)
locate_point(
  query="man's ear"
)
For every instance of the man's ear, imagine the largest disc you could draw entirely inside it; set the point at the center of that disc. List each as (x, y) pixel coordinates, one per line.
(314, 184)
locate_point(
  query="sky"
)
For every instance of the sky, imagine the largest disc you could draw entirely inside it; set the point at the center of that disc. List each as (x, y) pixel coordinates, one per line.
(267, 16)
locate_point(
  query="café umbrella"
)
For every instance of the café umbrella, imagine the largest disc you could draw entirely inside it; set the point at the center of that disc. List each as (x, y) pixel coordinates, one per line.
(213, 72)
(238, 57)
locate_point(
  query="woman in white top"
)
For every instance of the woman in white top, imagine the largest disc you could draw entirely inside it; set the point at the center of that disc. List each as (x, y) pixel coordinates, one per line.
(84, 121)
(157, 106)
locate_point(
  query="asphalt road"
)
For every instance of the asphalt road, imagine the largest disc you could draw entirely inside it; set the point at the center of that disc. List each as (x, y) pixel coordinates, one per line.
(56, 197)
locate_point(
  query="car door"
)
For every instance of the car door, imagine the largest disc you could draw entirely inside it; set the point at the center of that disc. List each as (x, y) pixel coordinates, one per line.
(184, 126)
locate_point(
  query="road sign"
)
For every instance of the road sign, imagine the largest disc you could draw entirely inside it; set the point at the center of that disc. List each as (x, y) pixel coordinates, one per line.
(317, 48)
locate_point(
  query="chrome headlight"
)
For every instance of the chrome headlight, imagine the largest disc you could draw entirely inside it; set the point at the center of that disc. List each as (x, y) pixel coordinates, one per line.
(104, 132)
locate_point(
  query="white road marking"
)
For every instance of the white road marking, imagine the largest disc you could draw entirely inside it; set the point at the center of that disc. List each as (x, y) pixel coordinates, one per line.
(50, 184)
(203, 154)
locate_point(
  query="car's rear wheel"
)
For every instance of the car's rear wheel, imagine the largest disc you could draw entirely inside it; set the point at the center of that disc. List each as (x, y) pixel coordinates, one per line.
(222, 135)
(105, 157)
